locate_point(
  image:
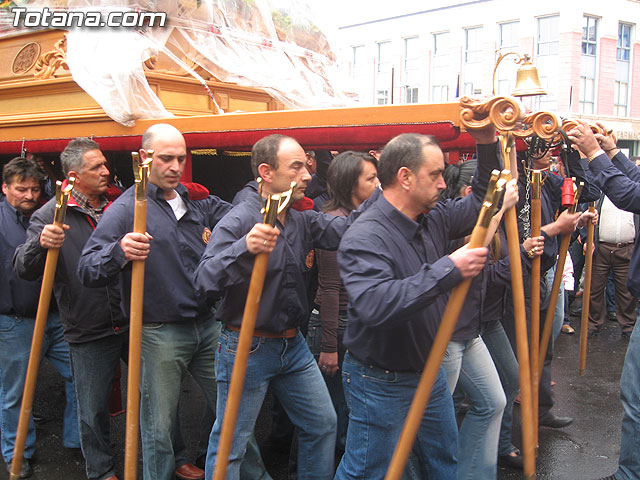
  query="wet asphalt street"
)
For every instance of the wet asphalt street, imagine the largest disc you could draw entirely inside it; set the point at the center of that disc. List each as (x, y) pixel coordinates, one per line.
(586, 450)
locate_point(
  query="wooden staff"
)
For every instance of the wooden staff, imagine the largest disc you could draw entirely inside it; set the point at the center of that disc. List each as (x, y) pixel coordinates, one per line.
(520, 320)
(141, 175)
(536, 226)
(586, 296)
(555, 288)
(62, 196)
(275, 204)
(506, 115)
(439, 347)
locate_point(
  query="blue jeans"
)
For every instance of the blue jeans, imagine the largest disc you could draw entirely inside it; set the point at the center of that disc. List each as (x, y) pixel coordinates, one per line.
(504, 359)
(629, 462)
(94, 365)
(378, 402)
(16, 334)
(289, 367)
(169, 350)
(558, 314)
(252, 467)
(469, 364)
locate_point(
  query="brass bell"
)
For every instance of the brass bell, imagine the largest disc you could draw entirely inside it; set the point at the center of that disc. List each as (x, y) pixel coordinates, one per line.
(527, 81)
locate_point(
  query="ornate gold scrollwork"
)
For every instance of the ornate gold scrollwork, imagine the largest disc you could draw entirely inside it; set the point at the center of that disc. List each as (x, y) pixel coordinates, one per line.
(503, 112)
(506, 113)
(543, 124)
(568, 125)
(50, 62)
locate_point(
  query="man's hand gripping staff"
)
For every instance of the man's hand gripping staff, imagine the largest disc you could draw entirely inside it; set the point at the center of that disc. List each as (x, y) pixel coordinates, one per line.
(447, 325)
(53, 252)
(261, 241)
(137, 254)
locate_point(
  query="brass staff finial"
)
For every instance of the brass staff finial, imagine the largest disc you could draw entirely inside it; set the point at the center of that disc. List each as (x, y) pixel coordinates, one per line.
(141, 173)
(495, 189)
(62, 197)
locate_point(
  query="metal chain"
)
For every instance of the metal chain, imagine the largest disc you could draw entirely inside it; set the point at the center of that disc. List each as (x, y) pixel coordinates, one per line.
(525, 213)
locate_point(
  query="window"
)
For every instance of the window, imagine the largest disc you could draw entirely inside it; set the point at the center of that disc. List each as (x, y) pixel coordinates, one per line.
(621, 87)
(589, 35)
(411, 56)
(440, 93)
(548, 36)
(624, 42)
(382, 97)
(467, 89)
(411, 95)
(441, 68)
(506, 74)
(548, 61)
(472, 45)
(440, 44)
(588, 65)
(509, 35)
(620, 95)
(384, 56)
(356, 58)
(411, 70)
(587, 94)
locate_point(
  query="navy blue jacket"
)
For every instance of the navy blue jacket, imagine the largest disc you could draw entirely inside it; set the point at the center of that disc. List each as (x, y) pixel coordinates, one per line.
(620, 181)
(176, 248)
(397, 274)
(225, 268)
(17, 296)
(250, 189)
(87, 314)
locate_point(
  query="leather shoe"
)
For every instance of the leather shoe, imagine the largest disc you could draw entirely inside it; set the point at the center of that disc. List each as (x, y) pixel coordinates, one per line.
(25, 471)
(513, 460)
(568, 329)
(189, 472)
(554, 421)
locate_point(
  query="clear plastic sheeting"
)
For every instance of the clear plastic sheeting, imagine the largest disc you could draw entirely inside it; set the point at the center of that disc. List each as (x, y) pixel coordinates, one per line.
(274, 45)
(108, 66)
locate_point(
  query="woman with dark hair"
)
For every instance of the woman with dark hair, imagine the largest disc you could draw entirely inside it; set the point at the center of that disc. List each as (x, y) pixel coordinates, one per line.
(479, 358)
(458, 179)
(351, 179)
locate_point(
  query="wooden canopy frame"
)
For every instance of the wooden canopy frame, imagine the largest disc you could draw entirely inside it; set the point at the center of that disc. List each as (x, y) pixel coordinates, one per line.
(338, 128)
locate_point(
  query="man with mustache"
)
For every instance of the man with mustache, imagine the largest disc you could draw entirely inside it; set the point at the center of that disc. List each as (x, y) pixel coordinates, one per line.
(94, 326)
(21, 185)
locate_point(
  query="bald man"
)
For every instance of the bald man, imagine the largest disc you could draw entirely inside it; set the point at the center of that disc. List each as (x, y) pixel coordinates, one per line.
(179, 332)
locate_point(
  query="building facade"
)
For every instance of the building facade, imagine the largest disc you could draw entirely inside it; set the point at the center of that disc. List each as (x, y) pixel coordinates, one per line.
(587, 54)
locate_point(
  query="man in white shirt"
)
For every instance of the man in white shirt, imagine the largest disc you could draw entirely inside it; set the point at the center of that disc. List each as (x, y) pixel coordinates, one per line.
(615, 236)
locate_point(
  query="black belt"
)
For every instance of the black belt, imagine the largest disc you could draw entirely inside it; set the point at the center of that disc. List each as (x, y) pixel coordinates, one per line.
(617, 245)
